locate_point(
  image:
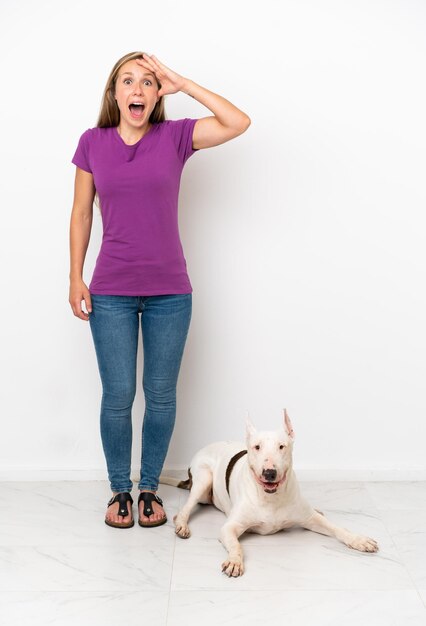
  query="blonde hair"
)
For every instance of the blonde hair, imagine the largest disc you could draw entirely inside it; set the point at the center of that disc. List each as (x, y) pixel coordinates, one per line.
(109, 114)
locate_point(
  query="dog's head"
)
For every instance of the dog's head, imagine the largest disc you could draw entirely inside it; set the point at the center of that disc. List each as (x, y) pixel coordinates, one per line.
(269, 454)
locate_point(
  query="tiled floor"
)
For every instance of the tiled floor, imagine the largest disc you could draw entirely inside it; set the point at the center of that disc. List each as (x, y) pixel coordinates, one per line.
(60, 564)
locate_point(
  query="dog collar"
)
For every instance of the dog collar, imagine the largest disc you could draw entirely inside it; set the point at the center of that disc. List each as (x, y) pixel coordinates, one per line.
(231, 465)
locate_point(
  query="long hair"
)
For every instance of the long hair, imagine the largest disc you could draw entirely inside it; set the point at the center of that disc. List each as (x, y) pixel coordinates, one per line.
(109, 114)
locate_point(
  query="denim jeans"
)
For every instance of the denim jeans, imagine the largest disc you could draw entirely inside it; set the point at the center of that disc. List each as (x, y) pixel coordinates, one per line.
(114, 323)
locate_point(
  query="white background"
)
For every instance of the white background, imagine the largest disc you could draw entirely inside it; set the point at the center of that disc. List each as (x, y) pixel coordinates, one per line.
(304, 237)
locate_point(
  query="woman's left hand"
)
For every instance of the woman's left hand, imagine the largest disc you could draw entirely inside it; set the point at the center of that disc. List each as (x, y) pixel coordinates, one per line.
(170, 81)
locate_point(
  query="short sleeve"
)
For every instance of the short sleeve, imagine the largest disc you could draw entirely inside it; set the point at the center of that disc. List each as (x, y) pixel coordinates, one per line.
(182, 131)
(81, 156)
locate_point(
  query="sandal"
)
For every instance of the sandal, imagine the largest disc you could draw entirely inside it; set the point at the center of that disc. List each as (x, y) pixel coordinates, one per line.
(122, 499)
(147, 498)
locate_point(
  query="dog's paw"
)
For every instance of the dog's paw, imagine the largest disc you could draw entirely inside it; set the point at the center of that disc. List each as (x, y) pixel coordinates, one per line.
(181, 529)
(233, 567)
(364, 544)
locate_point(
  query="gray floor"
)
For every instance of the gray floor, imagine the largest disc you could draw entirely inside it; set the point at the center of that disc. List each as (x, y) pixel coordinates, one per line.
(61, 564)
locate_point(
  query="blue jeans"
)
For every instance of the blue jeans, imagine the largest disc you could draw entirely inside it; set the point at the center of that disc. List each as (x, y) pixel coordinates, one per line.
(114, 323)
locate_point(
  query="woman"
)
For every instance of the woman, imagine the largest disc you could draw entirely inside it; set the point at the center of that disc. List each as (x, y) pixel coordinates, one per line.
(132, 160)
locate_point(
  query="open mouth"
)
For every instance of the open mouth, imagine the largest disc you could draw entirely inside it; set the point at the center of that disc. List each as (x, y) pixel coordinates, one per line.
(269, 487)
(136, 110)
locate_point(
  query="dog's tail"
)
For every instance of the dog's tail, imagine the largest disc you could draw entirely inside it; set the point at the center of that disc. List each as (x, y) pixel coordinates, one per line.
(176, 482)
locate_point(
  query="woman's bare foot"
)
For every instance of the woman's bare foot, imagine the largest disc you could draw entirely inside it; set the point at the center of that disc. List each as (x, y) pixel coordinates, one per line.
(112, 512)
(158, 510)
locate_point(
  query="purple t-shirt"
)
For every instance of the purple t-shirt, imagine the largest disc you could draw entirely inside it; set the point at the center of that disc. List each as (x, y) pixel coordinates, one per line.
(138, 188)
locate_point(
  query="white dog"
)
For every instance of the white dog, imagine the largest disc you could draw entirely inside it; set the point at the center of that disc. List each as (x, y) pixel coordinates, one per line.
(255, 486)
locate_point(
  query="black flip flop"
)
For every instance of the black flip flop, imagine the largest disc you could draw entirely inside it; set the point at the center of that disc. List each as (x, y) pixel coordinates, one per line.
(122, 499)
(147, 498)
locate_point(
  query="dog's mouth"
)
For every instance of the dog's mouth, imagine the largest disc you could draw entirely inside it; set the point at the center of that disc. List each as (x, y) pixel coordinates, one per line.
(268, 486)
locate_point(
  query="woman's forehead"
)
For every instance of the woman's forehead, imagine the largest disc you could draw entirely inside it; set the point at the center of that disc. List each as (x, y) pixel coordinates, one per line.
(134, 68)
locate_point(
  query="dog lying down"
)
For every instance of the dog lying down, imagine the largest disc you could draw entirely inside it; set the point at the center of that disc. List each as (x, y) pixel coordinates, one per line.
(256, 487)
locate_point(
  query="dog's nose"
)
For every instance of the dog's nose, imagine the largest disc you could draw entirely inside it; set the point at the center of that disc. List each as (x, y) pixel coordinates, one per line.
(270, 474)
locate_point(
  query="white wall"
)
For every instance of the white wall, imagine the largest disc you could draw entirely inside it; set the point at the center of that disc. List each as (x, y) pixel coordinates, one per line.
(304, 237)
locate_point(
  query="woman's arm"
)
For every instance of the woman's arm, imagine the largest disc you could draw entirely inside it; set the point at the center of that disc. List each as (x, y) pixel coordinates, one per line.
(80, 228)
(226, 123)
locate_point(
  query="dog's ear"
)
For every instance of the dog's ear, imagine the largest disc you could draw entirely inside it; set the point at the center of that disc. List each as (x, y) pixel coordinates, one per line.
(288, 425)
(250, 429)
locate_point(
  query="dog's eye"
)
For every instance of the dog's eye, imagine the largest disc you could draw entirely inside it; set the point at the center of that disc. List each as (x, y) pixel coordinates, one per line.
(282, 446)
(257, 447)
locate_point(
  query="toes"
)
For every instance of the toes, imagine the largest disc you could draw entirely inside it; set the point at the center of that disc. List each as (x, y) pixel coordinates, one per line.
(233, 568)
(113, 516)
(364, 544)
(181, 528)
(372, 545)
(154, 517)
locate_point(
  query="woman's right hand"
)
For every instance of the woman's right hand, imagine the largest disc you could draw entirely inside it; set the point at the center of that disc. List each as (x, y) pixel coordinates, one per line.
(79, 292)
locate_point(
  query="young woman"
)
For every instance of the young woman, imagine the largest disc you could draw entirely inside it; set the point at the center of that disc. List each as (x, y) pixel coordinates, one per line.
(133, 160)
